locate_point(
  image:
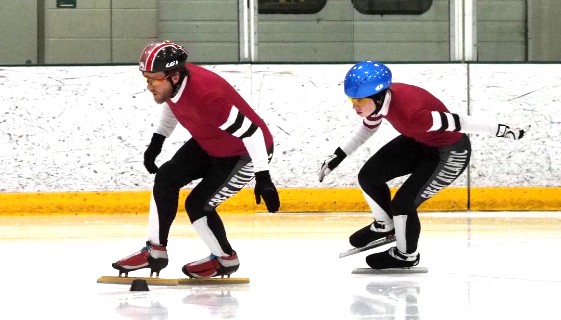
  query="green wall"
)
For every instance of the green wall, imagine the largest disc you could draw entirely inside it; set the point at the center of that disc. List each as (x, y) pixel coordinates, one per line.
(115, 31)
(18, 32)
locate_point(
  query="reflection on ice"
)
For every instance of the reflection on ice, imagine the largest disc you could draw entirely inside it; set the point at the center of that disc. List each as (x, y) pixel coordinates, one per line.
(388, 300)
(220, 304)
(149, 310)
(206, 302)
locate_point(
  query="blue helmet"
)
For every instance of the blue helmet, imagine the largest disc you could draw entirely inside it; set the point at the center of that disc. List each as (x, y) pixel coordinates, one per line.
(367, 78)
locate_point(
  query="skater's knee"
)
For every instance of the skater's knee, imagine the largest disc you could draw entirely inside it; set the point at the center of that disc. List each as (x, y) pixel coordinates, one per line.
(368, 181)
(197, 208)
(165, 175)
(363, 178)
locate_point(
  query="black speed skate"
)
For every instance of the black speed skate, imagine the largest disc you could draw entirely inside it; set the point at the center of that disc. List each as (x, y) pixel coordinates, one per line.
(371, 232)
(392, 258)
(154, 257)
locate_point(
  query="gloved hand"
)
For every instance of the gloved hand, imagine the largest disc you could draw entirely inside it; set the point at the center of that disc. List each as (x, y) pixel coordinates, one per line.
(265, 188)
(153, 150)
(331, 163)
(504, 131)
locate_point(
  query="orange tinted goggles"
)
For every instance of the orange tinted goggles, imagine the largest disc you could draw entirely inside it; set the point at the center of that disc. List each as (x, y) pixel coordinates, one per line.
(361, 102)
(155, 82)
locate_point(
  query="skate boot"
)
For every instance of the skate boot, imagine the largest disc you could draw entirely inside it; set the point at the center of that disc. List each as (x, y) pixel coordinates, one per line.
(212, 266)
(371, 232)
(152, 256)
(392, 258)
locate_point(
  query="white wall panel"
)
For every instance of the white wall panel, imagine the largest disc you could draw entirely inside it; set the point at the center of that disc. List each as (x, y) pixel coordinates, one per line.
(86, 128)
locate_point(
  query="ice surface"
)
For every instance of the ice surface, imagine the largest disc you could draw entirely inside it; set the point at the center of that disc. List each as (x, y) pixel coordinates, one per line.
(481, 266)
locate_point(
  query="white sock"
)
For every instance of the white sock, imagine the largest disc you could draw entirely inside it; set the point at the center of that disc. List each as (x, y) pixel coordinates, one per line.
(381, 216)
(201, 226)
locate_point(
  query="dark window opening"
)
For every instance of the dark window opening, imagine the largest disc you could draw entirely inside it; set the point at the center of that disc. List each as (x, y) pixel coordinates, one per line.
(290, 6)
(392, 6)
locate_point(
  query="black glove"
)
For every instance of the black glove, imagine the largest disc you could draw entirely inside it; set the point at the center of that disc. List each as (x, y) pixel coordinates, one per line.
(504, 131)
(153, 150)
(331, 163)
(265, 188)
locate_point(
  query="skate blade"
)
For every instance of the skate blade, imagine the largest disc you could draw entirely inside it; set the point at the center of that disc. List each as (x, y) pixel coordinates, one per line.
(371, 245)
(172, 281)
(390, 270)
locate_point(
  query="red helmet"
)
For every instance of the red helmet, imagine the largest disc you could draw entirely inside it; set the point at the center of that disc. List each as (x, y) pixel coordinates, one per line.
(162, 56)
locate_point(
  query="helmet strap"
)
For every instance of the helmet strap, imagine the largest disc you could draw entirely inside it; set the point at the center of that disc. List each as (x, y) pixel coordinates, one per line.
(378, 99)
(176, 86)
(378, 107)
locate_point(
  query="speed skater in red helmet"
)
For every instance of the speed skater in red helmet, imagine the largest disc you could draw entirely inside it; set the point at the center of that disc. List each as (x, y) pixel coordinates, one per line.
(230, 145)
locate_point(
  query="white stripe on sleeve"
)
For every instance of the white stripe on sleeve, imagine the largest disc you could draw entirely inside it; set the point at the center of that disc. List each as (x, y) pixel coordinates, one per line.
(255, 145)
(359, 137)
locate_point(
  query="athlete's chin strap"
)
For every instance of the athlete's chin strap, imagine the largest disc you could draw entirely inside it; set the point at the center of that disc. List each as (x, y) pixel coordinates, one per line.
(378, 99)
(176, 86)
(378, 107)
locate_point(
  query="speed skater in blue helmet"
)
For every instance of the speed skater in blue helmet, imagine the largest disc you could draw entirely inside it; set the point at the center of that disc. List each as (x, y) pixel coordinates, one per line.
(368, 79)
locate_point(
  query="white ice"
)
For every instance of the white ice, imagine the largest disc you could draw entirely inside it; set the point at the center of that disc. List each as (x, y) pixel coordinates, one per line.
(481, 266)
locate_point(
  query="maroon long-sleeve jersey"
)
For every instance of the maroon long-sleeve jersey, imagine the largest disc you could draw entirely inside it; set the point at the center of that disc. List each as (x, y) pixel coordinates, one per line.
(215, 114)
(411, 110)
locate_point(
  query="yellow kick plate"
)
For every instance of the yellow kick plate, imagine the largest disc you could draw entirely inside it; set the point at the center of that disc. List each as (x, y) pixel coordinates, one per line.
(171, 281)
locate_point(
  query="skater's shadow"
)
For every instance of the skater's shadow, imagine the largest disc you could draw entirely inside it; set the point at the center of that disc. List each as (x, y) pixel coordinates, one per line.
(388, 300)
(220, 304)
